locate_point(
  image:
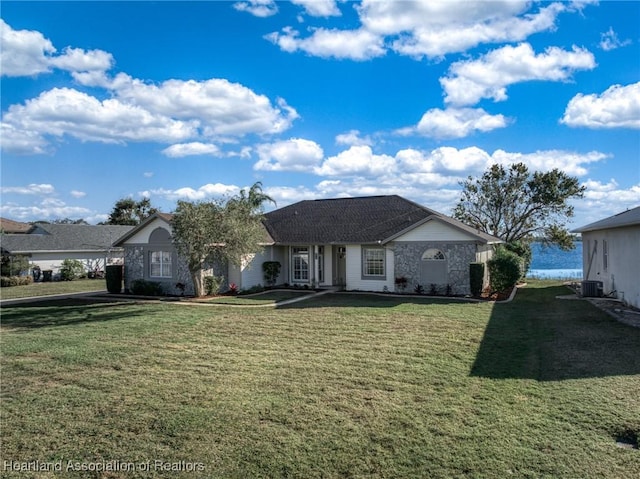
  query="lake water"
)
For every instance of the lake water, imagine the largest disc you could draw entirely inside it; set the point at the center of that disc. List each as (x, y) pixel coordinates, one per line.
(553, 263)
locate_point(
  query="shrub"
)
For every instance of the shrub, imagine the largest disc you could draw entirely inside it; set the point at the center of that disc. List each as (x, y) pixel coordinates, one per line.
(142, 287)
(212, 285)
(401, 283)
(7, 281)
(419, 289)
(523, 250)
(504, 270)
(433, 289)
(113, 275)
(71, 269)
(13, 264)
(476, 278)
(271, 270)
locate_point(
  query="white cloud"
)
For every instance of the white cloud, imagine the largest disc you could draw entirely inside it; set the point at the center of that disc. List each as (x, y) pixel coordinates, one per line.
(296, 154)
(604, 199)
(190, 194)
(191, 149)
(77, 194)
(319, 8)
(570, 162)
(28, 52)
(65, 111)
(470, 81)
(148, 174)
(617, 107)
(220, 106)
(172, 112)
(32, 189)
(456, 123)
(45, 210)
(258, 8)
(340, 44)
(434, 29)
(353, 138)
(357, 160)
(610, 41)
(419, 28)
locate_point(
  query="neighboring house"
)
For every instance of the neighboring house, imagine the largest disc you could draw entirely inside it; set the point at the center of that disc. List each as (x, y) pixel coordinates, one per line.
(611, 254)
(48, 245)
(13, 227)
(353, 243)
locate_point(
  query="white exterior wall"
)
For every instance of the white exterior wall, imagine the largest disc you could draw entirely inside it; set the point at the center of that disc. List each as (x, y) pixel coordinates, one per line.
(623, 270)
(328, 265)
(53, 261)
(142, 236)
(250, 273)
(434, 230)
(354, 271)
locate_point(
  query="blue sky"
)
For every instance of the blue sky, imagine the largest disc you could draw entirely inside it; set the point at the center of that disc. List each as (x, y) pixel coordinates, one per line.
(315, 99)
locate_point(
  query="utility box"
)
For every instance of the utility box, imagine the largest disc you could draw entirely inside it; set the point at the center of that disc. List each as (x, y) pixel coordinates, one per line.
(592, 289)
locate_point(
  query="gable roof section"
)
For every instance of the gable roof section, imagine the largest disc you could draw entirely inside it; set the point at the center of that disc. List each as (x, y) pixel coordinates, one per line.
(49, 237)
(626, 218)
(362, 220)
(166, 217)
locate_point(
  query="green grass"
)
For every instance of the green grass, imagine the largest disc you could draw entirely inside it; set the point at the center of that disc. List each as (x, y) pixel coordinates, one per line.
(338, 386)
(54, 287)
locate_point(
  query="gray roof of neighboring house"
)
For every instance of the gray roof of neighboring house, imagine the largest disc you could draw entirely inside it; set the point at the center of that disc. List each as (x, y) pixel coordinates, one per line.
(361, 220)
(626, 218)
(54, 237)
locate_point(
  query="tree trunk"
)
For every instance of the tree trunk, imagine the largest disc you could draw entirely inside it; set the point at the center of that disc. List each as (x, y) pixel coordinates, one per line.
(196, 277)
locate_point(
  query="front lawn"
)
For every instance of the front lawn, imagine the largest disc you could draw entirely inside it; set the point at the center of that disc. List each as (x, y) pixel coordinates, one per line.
(53, 287)
(261, 299)
(338, 386)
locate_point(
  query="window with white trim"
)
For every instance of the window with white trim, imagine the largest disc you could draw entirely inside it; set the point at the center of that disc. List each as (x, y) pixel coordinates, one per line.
(373, 262)
(300, 264)
(160, 264)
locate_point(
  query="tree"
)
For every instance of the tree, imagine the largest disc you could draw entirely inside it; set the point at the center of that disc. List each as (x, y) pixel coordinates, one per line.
(129, 212)
(516, 205)
(205, 232)
(255, 197)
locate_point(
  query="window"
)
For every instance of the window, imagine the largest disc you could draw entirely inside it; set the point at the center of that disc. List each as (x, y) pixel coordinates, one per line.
(300, 260)
(433, 255)
(160, 264)
(373, 262)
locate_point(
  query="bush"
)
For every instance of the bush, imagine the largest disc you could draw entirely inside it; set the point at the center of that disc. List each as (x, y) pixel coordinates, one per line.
(113, 275)
(7, 281)
(142, 287)
(212, 285)
(419, 289)
(523, 250)
(476, 278)
(504, 270)
(71, 269)
(13, 264)
(271, 270)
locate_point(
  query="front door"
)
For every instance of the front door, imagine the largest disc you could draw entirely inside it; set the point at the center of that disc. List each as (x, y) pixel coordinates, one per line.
(340, 266)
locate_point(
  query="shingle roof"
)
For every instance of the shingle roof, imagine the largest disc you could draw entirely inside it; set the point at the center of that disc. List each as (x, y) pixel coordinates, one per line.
(626, 218)
(8, 226)
(50, 237)
(362, 220)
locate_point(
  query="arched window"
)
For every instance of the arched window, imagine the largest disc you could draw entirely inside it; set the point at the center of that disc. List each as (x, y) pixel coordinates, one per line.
(434, 267)
(433, 255)
(160, 254)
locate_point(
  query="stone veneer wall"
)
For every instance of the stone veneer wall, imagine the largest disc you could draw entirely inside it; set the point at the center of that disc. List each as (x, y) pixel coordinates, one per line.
(408, 257)
(134, 260)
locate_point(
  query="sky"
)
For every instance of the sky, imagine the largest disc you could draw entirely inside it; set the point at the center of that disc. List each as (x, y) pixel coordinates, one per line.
(315, 99)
